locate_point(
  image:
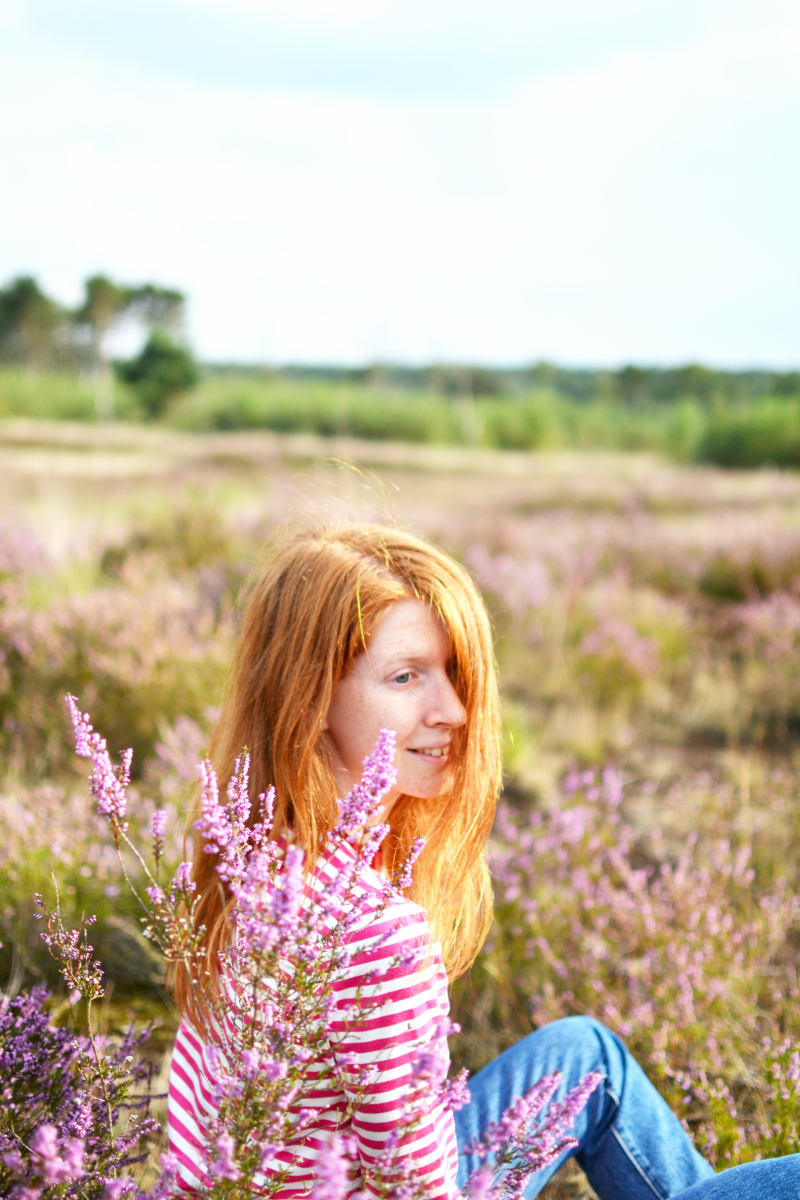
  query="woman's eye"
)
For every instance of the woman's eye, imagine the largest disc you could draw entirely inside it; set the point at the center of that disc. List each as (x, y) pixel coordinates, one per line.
(403, 677)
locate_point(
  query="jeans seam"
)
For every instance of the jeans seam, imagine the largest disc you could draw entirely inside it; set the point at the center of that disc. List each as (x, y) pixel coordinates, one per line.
(656, 1191)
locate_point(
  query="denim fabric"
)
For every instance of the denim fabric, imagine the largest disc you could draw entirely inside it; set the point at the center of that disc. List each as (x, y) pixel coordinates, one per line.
(630, 1144)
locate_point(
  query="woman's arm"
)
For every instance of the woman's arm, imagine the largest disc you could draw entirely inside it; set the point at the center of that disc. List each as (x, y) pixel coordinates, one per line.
(391, 1010)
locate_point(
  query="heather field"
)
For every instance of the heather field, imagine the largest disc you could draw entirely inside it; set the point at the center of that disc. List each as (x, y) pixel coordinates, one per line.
(647, 617)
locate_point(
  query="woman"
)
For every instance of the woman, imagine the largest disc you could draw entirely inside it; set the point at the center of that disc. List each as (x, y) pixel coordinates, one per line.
(348, 631)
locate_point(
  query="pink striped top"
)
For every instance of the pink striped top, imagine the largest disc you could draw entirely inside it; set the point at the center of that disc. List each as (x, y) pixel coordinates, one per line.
(414, 1000)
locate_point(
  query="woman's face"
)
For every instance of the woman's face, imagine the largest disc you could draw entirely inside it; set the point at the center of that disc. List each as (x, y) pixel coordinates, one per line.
(399, 682)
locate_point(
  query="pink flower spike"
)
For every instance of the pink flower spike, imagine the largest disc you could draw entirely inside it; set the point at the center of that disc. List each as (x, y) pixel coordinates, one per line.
(481, 1184)
(224, 1166)
(364, 801)
(108, 785)
(158, 824)
(332, 1181)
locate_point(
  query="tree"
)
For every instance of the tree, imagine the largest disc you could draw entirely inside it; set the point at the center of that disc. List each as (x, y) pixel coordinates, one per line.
(103, 304)
(162, 370)
(29, 323)
(106, 302)
(634, 384)
(158, 308)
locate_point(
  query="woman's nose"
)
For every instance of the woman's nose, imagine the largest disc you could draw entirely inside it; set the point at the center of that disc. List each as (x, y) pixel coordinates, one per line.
(447, 709)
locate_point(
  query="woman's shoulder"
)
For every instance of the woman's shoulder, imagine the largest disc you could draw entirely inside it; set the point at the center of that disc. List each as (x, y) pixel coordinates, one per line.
(376, 905)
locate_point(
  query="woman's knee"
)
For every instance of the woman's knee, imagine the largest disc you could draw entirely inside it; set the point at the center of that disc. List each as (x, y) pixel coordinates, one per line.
(585, 1034)
(576, 1045)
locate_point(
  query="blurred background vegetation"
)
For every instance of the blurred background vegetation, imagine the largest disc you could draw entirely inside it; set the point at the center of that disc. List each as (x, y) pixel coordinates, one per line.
(646, 608)
(53, 366)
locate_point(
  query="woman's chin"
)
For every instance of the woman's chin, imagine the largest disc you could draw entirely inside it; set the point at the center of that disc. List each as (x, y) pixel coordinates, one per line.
(426, 789)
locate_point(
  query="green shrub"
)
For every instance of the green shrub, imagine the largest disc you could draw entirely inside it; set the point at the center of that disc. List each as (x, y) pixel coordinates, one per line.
(768, 433)
(162, 370)
(233, 402)
(527, 423)
(159, 385)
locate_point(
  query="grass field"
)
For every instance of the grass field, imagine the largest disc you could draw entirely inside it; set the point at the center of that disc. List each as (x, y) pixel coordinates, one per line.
(647, 617)
(727, 430)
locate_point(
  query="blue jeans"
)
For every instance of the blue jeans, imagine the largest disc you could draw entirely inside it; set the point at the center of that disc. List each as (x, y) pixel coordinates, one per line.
(630, 1144)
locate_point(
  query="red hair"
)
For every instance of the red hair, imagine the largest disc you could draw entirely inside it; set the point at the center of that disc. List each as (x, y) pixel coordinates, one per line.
(311, 609)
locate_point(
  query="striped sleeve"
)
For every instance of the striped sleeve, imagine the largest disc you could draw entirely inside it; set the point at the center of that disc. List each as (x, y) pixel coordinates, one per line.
(389, 1008)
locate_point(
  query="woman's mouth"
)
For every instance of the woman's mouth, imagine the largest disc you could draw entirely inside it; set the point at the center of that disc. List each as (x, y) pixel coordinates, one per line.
(432, 754)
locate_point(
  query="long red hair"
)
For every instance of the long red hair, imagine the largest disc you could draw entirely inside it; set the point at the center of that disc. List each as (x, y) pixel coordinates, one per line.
(312, 606)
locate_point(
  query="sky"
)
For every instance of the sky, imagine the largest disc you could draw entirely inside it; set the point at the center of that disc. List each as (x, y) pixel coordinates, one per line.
(593, 182)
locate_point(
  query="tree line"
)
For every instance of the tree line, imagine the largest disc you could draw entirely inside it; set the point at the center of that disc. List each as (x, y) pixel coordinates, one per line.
(631, 387)
(38, 333)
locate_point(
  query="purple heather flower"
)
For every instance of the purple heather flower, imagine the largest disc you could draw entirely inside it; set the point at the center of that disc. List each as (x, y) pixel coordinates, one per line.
(403, 880)
(274, 1070)
(214, 824)
(44, 1144)
(81, 1122)
(48, 1162)
(224, 1166)
(363, 802)
(528, 1147)
(481, 1184)
(108, 784)
(331, 1170)
(183, 881)
(268, 1152)
(164, 1186)
(250, 1063)
(73, 1153)
(456, 1093)
(266, 801)
(239, 790)
(14, 1161)
(44, 1063)
(115, 1189)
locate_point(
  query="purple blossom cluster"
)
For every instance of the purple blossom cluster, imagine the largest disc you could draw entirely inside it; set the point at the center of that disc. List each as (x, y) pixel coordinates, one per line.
(57, 1109)
(108, 784)
(635, 609)
(158, 643)
(267, 1023)
(729, 1131)
(520, 1145)
(51, 1161)
(656, 950)
(71, 950)
(51, 828)
(693, 611)
(680, 951)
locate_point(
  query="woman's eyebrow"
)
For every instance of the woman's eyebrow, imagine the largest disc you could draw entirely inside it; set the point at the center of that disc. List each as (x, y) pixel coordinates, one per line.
(408, 660)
